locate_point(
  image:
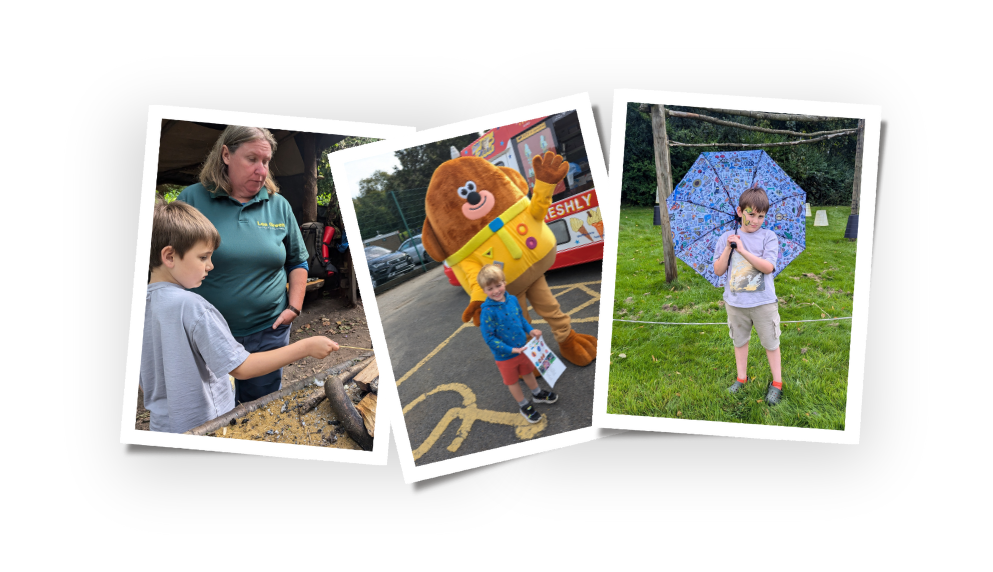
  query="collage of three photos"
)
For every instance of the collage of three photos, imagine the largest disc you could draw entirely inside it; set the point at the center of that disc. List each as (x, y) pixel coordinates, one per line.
(484, 290)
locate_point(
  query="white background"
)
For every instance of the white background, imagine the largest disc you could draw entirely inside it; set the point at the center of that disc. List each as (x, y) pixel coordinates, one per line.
(77, 81)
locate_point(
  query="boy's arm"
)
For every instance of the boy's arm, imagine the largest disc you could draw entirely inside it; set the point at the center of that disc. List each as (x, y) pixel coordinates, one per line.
(722, 255)
(760, 264)
(766, 263)
(261, 363)
(212, 339)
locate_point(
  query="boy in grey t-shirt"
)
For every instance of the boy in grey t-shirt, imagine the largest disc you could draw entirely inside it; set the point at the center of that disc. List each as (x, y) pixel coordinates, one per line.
(187, 351)
(749, 293)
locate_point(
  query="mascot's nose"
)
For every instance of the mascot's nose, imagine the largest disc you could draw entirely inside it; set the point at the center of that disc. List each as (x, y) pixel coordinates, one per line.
(473, 198)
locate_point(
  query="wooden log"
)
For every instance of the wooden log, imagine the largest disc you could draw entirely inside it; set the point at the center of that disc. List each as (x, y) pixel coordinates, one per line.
(770, 116)
(367, 409)
(367, 376)
(246, 408)
(716, 121)
(663, 175)
(312, 400)
(345, 410)
(353, 285)
(761, 145)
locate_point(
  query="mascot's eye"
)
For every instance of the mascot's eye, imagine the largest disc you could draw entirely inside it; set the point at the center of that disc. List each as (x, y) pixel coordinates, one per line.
(469, 187)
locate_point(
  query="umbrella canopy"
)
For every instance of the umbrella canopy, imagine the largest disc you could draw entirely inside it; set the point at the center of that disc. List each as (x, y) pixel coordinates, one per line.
(702, 207)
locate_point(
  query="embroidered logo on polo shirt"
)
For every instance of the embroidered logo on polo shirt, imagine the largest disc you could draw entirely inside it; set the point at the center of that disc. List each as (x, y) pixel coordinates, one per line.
(270, 224)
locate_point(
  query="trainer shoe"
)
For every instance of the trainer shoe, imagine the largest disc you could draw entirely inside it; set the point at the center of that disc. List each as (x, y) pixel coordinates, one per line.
(545, 396)
(529, 413)
(737, 385)
(773, 395)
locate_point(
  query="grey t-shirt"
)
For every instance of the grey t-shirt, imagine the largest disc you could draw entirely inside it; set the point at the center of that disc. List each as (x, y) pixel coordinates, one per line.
(746, 287)
(186, 355)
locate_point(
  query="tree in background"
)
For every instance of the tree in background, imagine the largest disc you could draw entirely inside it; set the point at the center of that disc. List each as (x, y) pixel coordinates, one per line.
(326, 195)
(825, 170)
(381, 194)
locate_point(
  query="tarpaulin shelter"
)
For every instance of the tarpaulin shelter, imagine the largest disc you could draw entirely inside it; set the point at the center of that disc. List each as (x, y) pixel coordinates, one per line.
(184, 146)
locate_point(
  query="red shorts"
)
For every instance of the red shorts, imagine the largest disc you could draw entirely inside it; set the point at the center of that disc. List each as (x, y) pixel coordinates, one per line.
(514, 367)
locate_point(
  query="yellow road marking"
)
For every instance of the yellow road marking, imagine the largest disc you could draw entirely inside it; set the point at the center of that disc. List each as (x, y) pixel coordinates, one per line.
(433, 352)
(469, 414)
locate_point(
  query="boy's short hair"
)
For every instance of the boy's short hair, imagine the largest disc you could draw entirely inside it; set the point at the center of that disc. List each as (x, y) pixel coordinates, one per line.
(489, 275)
(756, 198)
(180, 226)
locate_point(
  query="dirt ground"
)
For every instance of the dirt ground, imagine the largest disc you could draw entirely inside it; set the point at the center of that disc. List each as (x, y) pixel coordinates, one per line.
(321, 315)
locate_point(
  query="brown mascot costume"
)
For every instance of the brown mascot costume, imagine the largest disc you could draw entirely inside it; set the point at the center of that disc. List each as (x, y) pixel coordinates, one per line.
(479, 214)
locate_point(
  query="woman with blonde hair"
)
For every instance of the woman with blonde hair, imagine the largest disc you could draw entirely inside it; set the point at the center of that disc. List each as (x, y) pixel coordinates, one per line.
(261, 247)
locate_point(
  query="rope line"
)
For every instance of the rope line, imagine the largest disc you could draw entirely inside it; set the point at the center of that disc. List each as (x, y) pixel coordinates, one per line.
(725, 323)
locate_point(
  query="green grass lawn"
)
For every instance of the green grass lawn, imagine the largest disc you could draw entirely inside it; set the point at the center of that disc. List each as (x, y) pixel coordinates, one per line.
(684, 371)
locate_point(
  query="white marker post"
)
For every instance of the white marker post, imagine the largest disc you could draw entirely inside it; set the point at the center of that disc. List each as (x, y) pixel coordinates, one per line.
(808, 210)
(821, 219)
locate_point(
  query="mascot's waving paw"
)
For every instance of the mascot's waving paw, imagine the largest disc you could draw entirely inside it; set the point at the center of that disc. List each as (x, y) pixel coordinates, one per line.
(472, 312)
(579, 349)
(550, 168)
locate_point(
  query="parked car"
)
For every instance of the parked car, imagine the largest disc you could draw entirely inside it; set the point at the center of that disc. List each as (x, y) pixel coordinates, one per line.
(385, 265)
(412, 246)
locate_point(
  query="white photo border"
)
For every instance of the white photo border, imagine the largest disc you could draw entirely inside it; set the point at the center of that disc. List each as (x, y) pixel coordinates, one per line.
(388, 390)
(132, 436)
(863, 263)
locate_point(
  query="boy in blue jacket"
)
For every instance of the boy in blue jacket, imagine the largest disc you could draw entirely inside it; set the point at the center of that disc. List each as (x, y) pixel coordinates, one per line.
(506, 331)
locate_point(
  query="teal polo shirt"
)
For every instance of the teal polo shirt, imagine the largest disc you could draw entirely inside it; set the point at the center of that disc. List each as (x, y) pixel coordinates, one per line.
(259, 241)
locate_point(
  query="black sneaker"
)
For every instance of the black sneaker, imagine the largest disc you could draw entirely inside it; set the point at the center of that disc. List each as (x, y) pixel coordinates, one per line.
(737, 385)
(773, 395)
(530, 414)
(545, 396)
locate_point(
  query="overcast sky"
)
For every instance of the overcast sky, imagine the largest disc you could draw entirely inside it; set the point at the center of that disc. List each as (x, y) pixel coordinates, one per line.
(364, 168)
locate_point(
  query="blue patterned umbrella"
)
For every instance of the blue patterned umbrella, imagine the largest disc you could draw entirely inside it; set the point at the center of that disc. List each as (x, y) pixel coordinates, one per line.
(701, 207)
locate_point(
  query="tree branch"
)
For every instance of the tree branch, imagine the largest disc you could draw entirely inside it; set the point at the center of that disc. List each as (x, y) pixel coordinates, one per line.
(716, 121)
(772, 116)
(761, 145)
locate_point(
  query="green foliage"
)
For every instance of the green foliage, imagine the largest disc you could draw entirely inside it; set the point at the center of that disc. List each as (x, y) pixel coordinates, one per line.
(326, 195)
(394, 201)
(825, 170)
(638, 179)
(170, 192)
(683, 371)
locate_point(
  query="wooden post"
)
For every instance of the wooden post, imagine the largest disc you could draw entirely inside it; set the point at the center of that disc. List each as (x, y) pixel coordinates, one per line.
(852, 230)
(663, 175)
(353, 282)
(307, 143)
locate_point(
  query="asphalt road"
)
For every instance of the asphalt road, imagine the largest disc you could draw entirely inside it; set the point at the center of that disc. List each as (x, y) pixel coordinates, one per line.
(454, 400)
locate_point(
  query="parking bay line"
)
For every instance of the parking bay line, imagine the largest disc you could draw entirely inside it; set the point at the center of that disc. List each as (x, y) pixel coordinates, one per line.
(565, 288)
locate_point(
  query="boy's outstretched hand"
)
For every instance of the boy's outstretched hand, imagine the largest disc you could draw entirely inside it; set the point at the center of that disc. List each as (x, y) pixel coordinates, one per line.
(320, 347)
(535, 333)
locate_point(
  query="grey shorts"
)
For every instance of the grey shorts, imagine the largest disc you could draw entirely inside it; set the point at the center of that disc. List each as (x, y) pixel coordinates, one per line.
(765, 318)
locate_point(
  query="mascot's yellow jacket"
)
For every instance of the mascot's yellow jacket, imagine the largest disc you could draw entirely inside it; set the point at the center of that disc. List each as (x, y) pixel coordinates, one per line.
(518, 240)
(478, 214)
